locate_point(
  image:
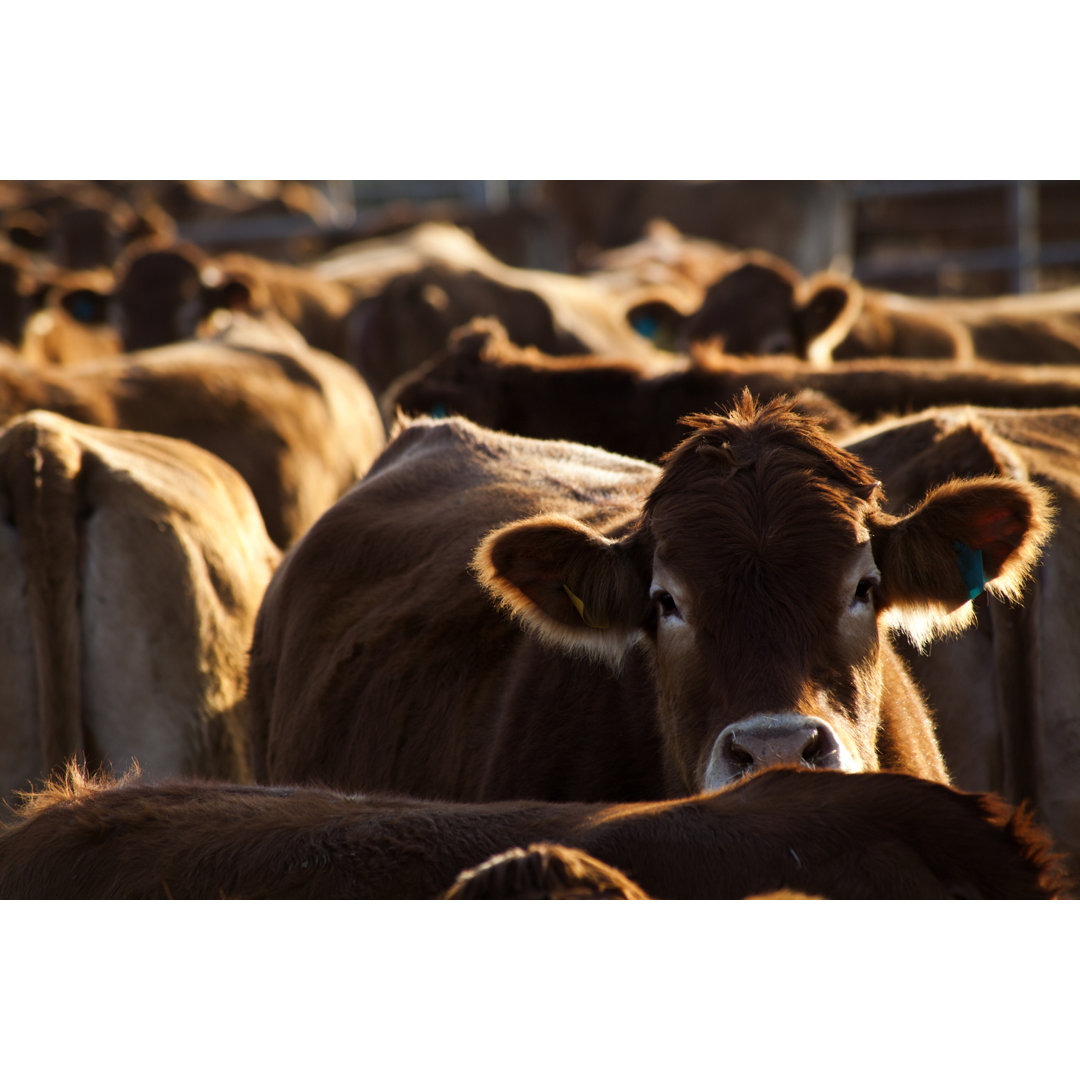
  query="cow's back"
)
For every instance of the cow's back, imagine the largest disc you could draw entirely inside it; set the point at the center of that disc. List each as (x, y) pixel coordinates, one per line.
(379, 662)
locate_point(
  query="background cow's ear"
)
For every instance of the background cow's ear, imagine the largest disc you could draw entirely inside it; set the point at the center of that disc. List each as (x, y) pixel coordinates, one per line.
(659, 321)
(964, 537)
(87, 306)
(569, 584)
(827, 307)
(232, 294)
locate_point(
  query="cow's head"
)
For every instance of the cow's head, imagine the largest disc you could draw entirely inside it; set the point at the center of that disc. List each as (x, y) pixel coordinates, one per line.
(763, 577)
(750, 310)
(165, 293)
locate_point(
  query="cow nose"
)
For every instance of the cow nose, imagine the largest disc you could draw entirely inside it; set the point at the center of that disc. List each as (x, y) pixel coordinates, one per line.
(772, 739)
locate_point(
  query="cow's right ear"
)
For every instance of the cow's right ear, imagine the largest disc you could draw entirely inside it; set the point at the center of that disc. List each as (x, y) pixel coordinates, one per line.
(570, 585)
(827, 309)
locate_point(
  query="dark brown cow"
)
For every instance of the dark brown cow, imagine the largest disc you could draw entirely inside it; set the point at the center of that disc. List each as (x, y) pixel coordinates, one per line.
(165, 291)
(1006, 694)
(634, 408)
(763, 306)
(850, 837)
(300, 426)
(131, 568)
(672, 627)
(544, 872)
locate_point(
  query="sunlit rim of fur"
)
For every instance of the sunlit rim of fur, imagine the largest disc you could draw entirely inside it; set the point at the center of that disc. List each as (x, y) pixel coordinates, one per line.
(69, 784)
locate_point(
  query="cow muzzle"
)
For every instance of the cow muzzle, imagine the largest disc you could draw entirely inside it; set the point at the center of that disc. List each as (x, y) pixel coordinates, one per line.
(767, 739)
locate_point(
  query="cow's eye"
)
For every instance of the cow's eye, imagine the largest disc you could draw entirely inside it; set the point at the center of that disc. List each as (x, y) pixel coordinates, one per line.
(667, 603)
(865, 590)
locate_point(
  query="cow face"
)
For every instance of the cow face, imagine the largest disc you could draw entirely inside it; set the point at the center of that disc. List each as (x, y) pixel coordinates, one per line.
(158, 299)
(750, 311)
(763, 578)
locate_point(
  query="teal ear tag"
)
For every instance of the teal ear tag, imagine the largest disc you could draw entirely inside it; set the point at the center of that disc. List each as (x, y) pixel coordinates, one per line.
(971, 568)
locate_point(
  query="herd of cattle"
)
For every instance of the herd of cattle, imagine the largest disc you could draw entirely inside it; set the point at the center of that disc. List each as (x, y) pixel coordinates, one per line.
(405, 573)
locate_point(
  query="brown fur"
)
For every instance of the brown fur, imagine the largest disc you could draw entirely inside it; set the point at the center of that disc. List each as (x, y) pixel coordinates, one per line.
(1006, 692)
(826, 834)
(73, 325)
(379, 663)
(764, 304)
(298, 425)
(544, 872)
(413, 314)
(130, 573)
(634, 408)
(165, 290)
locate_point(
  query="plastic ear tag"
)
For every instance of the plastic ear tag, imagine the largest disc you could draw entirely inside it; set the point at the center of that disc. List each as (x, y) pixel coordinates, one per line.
(971, 568)
(579, 607)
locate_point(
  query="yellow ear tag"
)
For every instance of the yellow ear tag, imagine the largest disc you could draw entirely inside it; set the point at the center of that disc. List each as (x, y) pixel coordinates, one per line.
(579, 606)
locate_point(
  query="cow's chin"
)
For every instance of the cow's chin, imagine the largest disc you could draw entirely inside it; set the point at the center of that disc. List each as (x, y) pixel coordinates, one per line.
(766, 739)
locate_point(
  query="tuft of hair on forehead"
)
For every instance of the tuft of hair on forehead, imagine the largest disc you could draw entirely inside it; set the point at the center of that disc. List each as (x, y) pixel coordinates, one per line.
(750, 430)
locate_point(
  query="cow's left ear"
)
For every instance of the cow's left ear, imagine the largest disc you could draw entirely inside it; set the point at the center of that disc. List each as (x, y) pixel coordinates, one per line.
(569, 584)
(964, 537)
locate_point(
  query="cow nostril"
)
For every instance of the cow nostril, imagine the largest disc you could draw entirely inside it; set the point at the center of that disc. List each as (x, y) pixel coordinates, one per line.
(740, 757)
(812, 750)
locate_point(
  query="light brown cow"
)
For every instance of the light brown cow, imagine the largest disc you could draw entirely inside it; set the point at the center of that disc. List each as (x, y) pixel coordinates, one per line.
(131, 568)
(663, 630)
(873, 836)
(300, 426)
(1007, 692)
(73, 324)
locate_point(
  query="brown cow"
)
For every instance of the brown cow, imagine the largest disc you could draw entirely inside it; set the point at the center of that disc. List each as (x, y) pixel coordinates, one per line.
(544, 872)
(671, 627)
(684, 266)
(300, 426)
(764, 306)
(1006, 693)
(633, 408)
(131, 568)
(165, 291)
(74, 322)
(874, 836)
(412, 315)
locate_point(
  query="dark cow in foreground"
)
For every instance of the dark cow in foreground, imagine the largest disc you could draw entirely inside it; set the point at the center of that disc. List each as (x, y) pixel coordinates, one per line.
(764, 306)
(131, 569)
(300, 426)
(875, 836)
(544, 872)
(664, 630)
(1006, 694)
(634, 408)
